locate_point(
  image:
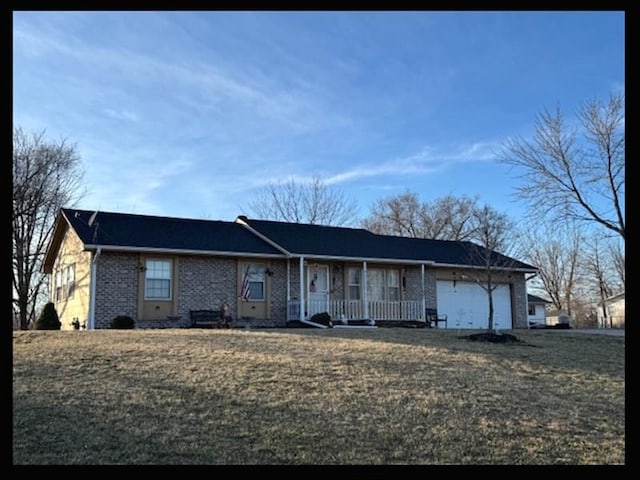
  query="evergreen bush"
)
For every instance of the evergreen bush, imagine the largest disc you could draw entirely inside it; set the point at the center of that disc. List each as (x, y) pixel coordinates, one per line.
(48, 319)
(122, 322)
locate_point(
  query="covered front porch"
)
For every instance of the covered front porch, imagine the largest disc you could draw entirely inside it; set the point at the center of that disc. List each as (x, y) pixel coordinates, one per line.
(356, 292)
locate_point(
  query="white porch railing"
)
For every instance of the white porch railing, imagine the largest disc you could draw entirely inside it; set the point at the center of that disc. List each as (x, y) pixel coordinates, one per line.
(354, 309)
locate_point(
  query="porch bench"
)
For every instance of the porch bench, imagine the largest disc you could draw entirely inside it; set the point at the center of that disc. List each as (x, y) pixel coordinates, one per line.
(434, 319)
(208, 319)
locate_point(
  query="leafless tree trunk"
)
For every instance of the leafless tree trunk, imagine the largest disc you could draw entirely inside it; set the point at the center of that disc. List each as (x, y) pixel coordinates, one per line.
(596, 267)
(314, 203)
(46, 177)
(446, 218)
(571, 177)
(492, 232)
(556, 253)
(616, 252)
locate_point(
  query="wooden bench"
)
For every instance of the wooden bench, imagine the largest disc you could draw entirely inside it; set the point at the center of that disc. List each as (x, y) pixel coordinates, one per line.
(208, 319)
(433, 318)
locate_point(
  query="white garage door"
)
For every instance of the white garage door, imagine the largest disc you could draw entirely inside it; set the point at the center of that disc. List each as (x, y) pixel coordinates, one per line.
(467, 305)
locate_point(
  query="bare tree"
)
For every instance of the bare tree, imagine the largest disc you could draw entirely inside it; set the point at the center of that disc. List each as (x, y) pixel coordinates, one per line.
(556, 254)
(597, 270)
(46, 177)
(492, 233)
(446, 218)
(314, 202)
(574, 177)
(616, 252)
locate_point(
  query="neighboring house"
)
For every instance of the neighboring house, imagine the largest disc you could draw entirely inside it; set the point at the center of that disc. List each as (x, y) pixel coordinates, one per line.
(555, 316)
(536, 308)
(615, 308)
(157, 269)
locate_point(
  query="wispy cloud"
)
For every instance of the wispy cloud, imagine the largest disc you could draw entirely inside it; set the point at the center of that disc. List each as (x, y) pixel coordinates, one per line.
(424, 162)
(121, 115)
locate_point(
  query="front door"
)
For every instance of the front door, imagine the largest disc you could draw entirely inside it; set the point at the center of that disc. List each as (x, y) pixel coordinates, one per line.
(318, 289)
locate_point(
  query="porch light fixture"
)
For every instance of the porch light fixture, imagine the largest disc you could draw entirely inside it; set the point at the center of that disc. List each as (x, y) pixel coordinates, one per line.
(268, 271)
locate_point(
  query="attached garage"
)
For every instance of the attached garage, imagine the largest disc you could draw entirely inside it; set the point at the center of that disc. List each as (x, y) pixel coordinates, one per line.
(467, 305)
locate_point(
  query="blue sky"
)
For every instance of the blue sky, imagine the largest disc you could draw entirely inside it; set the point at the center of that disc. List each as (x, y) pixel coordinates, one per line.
(190, 114)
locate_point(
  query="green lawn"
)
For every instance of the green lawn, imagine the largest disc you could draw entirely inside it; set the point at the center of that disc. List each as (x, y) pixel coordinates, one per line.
(308, 396)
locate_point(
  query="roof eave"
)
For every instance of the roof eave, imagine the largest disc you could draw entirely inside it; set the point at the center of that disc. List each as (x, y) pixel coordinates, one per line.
(482, 267)
(362, 259)
(62, 224)
(180, 251)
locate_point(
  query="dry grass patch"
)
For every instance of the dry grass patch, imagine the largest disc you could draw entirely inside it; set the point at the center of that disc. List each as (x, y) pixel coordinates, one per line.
(302, 396)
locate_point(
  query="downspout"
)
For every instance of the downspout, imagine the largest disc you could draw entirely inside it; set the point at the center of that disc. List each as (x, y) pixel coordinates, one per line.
(424, 300)
(91, 323)
(302, 290)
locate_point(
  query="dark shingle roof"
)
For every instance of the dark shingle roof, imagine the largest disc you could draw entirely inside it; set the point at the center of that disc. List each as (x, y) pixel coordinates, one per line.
(320, 240)
(111, 229)
(143, 231)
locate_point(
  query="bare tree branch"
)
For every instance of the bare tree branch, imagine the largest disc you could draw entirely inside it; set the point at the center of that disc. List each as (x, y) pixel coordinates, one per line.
(569, 177)
(492, 232)
(446, 218)
(46, 177)
(314, 203)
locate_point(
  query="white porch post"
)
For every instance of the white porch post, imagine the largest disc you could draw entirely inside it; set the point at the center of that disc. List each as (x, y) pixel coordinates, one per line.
(365, 295)
(424, 300)
(288, 289)
(301, 288)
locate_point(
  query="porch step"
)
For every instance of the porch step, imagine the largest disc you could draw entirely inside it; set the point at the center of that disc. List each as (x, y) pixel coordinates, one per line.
(402, 323)
(355, 326)
(353, 323)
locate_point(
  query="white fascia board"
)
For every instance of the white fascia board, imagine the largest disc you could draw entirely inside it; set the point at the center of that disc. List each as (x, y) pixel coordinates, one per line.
(482, 267)
(310, 256)
(177, 251)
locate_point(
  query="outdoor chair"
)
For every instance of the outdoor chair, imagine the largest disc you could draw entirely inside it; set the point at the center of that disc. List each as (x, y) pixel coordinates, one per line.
(434, 319)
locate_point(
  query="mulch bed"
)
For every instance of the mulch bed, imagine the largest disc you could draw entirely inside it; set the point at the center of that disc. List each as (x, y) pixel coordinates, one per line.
(493, 337)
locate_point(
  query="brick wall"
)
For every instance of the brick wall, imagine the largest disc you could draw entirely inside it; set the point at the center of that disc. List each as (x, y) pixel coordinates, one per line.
(413, 284)
(519, 302)
(117, 287)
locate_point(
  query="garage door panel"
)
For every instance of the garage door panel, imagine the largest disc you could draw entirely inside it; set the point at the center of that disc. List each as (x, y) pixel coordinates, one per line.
(467, 305)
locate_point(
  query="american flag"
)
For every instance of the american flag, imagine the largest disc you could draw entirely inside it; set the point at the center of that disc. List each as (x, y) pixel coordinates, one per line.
(244, 293)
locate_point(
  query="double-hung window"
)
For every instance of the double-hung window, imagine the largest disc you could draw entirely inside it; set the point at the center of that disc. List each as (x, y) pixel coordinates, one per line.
(255, 279)
(382, 284)
(157, 284)
(354, 283)
(64, 283)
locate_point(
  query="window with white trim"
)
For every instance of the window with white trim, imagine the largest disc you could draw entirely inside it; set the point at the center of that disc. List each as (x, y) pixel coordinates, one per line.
(157, 283)
(532, 309)
(58, 286)
(64, 283)
(382, 284)
(353, 280)
(393, 285)
(256, 281)
(70, 286)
